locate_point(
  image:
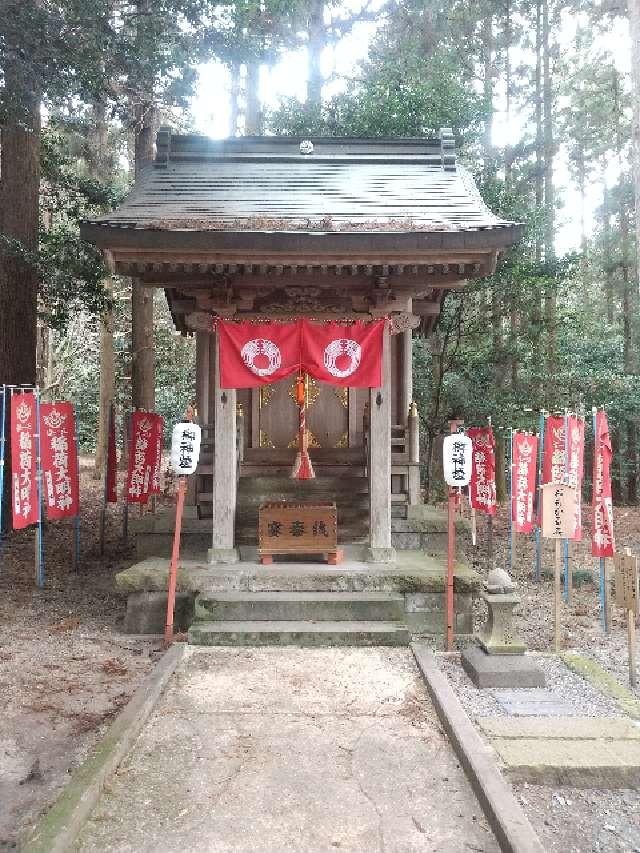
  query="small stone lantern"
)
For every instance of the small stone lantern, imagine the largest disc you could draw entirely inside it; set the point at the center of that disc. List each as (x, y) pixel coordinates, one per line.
(498, 635)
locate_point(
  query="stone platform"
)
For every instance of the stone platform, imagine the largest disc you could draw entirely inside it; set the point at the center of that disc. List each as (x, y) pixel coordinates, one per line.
(415, 584)
(500, 670)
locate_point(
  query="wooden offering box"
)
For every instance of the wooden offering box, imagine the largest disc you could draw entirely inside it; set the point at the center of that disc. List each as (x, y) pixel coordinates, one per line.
(287, 528)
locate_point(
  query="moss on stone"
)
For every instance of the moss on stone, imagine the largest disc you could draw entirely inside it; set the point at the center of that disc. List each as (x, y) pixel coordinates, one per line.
(603, 681)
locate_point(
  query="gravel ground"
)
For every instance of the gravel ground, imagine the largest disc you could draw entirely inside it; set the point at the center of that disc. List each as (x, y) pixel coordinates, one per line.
(574, 820)
(583, 699)
(581, 628)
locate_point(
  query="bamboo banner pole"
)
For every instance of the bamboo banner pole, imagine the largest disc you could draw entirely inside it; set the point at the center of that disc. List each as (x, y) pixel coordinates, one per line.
(474, 527)
(76, 521)
(538, 574)
(511, 499)
(451, 550)
(39, 539)
(125, 513)
(604, 621)
(565, 542)
(3, 420)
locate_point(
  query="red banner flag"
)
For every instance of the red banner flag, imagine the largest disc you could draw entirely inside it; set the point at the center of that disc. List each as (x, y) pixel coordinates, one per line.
(145, 451)
(553, 460)
(112, 461)
(59, 453)
(24, 488)
(565, 463)
(348, 355)
(253, 354)
(523, 484)
(482, 488)
(602, 541)
(576, 467)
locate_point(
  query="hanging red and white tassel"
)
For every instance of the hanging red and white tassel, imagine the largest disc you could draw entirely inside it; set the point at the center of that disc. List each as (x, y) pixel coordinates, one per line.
(302, 467)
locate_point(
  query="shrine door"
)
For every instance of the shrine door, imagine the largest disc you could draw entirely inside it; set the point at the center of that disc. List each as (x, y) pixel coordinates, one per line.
(327, 415)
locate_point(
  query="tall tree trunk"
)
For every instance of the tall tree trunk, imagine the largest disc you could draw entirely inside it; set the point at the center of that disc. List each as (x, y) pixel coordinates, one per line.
(508, 37)
(634, 20)
(19, 200)
(253, 114)
(235, 94)
(487, 51)
(536, 306)
(549, 202)
(142, 343)
(316, 45)
(629, 302)
(101, 168)
(607, 264)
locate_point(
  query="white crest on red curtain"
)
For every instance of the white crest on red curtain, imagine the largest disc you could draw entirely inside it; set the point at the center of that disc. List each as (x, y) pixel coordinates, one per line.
(261, 347)
(342, 347)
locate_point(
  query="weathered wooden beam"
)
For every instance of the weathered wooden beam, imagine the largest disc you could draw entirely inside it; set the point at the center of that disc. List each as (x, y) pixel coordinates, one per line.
(426, 307)
(225, 470)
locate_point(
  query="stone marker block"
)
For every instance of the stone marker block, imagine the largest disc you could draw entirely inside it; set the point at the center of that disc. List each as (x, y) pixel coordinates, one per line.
(501, 671)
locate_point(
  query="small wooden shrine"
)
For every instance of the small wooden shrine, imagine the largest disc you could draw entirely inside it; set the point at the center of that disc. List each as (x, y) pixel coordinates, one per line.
(325, 228)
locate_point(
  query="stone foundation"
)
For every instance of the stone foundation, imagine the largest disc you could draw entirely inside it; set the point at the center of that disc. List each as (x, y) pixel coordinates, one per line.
(416, 578)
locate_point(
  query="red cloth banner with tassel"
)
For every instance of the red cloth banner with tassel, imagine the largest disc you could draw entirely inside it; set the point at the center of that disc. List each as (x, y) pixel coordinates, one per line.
(24, 490)
(525, 450)
(59, 460)
(482, 488)
(144, 457)
(602, 541)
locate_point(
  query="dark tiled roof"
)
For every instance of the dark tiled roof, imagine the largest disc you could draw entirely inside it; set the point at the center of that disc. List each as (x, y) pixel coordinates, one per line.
(267, 184)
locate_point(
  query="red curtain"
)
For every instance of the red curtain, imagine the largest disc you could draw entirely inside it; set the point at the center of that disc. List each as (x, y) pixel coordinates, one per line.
(253, 354)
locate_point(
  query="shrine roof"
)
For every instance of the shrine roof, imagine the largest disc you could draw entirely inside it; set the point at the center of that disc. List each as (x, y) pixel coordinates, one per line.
(268, 186)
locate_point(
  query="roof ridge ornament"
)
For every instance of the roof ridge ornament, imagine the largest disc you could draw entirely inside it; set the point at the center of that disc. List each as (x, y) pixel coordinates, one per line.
(447, 149)
(306, 146)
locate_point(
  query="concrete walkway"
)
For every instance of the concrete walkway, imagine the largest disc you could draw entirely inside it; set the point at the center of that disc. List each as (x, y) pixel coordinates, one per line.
(302, 750)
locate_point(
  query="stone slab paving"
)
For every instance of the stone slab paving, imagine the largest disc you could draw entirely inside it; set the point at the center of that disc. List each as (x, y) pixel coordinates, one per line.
(583, 752)
(302, 750)
(534, 702)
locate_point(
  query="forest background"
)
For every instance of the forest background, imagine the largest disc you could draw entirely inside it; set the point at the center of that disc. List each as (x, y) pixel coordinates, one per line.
(543, 97)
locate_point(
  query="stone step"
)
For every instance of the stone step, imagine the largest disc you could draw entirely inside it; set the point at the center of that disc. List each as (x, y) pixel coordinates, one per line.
(303, 633)
(300, 606)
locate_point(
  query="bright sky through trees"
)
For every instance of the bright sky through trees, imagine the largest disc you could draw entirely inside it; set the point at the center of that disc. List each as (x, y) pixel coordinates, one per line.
(287, 79)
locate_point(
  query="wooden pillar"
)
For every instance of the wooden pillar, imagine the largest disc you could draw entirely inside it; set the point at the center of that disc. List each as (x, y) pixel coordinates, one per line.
(380, 550)
(224, 470)
(406, 374)
(211, 415)
(202, 376)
